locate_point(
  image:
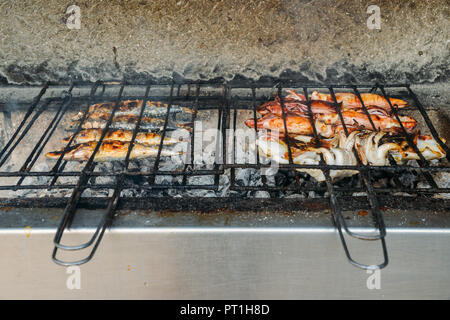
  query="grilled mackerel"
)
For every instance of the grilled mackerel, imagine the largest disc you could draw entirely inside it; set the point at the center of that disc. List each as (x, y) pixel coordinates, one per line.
(146, 138)
(110, 151)
(98, 120)
(133, 107)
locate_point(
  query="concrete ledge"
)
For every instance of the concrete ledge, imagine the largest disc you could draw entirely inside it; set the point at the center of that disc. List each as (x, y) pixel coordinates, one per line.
(314, 40)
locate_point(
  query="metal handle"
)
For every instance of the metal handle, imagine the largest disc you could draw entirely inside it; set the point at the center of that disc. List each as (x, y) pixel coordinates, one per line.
(349, 257)
(96, 237)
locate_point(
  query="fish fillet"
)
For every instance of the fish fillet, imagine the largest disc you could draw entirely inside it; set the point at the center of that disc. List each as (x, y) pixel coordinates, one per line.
(133, 107)
(109, 151)
(98, 120)
(147, 138)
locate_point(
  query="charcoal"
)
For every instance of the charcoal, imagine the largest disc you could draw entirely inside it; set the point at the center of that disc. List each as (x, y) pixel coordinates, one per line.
(443, 181)
(201, 193)
(248, 177)
(311, 194)
(382, 183)
(296, 196)
(242, 177)
(39, 180)
(201, 180)
(95, 193)
(173, 193)
(105, 167)
(408, 179)
(270, 180)
(210, 194)
(280, 179)
(165, 180)
(261, 194)
(169, 165)
(296, 182)
(106, 180)
(224, 186)
(402, 194)
(131, 193)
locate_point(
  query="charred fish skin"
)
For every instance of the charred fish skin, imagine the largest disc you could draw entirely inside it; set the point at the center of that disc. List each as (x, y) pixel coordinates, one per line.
(133, 107)
(351, 100)
(124, 122)
(146, 138)
(110, 151)
(326, 113)
(295, 124)
(123, 126)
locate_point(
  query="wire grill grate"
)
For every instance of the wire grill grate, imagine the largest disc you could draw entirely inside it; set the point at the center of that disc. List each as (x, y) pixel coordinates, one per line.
(226, 100)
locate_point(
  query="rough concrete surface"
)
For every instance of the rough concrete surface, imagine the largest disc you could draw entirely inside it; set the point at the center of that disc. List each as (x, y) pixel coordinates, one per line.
(314, 40)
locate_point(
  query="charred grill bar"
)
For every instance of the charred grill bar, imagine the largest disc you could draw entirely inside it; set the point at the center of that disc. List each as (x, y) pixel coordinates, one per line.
(228, 105)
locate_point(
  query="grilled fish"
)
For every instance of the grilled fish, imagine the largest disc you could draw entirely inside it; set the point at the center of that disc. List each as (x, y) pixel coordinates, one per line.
(327, 123)
(98, 120)
(133, 107)
(360, 120)
(146, 138)
(350, 100)
(109, 151)
(295, 124)
(324, 112)
(295, 105)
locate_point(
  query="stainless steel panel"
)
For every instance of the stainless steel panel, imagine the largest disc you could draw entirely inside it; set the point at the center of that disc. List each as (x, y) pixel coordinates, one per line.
(151, 256)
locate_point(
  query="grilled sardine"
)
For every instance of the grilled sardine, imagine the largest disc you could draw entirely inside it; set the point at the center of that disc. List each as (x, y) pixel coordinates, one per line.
(110, 151)
(133, 107)
(98, 120)
(147, 138)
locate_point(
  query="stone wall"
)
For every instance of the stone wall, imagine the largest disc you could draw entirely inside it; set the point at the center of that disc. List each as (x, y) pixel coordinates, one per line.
(313, 40)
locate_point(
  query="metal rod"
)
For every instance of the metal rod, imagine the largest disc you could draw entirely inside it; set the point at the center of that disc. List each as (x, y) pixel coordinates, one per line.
(78, 190)
(163, 135)
(25, 118)
(58, 167)
(365, 175)
(190, 163)
(107, 217)
(36, 115)
(48, 133)
(336, 209)
(428, 121)
(208, 99)
(286, 132)
(422, 162)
